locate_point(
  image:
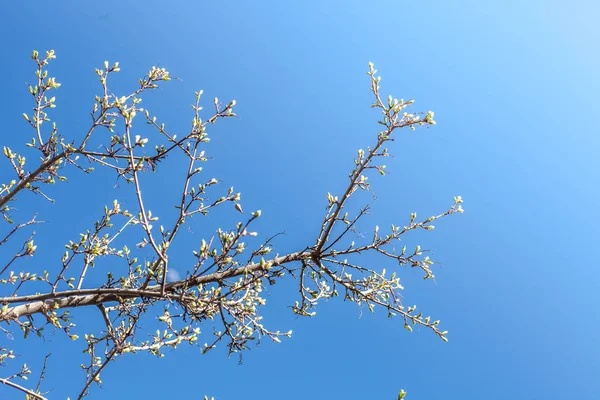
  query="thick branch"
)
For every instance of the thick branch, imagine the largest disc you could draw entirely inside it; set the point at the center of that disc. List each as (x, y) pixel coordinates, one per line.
(22, 389)
(35, 304)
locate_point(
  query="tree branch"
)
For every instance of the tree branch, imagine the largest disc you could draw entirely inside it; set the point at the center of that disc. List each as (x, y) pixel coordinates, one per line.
(22, 389)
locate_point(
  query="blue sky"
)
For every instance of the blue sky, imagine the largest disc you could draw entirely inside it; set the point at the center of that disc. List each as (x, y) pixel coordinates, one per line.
(514, 87)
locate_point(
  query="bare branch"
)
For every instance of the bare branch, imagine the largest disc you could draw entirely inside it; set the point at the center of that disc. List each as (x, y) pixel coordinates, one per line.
(22, 389)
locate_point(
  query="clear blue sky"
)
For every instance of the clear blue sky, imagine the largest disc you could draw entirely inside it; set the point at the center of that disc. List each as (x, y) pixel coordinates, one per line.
(514, 85)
